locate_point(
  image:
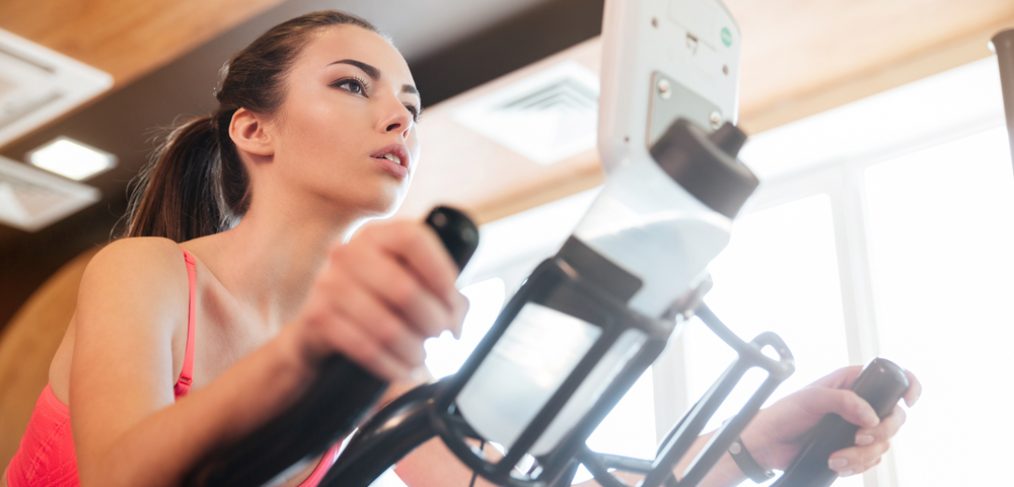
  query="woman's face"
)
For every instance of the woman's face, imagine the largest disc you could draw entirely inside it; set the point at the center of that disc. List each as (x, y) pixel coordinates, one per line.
(345, 132)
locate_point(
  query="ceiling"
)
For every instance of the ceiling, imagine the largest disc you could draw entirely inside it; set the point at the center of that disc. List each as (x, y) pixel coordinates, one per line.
(799, 57)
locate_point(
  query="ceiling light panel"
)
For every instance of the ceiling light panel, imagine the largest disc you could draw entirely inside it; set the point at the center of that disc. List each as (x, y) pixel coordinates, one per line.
(71, 159)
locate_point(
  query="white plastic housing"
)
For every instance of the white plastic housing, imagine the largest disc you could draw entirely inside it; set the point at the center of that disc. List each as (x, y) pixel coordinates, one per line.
(650, 226)
(640, 37)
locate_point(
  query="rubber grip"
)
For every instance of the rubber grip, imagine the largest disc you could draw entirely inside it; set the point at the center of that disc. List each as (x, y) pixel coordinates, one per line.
(882, 383)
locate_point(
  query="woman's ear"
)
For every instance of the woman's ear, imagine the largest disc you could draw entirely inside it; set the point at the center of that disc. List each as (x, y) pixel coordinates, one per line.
(248, 131)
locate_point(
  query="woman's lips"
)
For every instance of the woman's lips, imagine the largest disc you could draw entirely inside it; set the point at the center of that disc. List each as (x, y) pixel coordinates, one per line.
(396, 153)
(391, 167)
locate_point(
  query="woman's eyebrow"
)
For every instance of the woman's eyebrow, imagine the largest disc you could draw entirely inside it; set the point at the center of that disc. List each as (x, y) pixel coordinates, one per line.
(374, 73)
(370, 71)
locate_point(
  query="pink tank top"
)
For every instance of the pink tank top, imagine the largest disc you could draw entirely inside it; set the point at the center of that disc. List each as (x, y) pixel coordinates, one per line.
(46, 454)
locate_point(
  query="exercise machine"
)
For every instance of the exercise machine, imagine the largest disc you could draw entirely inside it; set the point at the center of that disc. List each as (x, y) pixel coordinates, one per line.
(592, 318)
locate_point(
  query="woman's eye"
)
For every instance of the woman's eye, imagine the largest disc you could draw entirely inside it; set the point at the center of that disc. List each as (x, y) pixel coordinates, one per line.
(351, 85)
(414, 111)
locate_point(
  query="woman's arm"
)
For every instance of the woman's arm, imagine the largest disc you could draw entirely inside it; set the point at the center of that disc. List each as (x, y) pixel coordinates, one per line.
(127, 428)
(375, 300)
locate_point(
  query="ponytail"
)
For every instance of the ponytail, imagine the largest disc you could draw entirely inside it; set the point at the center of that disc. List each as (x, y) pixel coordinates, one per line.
(193, 186)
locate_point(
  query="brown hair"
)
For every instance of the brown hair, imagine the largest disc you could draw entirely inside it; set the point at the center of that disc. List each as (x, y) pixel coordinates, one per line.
(195, 184)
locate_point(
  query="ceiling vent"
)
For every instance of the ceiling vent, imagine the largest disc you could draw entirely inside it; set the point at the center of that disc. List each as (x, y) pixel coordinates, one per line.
(31, 199)
(38, 84)
(546, 117)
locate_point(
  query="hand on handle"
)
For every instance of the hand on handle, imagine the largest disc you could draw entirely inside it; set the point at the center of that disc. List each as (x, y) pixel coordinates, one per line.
(373, 304)
(796, 426)
(381, 295)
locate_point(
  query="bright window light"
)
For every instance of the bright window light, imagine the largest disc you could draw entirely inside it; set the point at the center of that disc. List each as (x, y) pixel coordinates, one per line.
(71, 159)
(444, 354)
(779, 273)
(940, 238)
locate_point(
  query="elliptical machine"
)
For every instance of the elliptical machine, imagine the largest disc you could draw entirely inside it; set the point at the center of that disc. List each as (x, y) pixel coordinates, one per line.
(590, 319)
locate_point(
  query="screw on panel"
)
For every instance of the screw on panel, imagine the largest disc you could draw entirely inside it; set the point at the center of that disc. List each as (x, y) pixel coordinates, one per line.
(716, 120)
(664, 89)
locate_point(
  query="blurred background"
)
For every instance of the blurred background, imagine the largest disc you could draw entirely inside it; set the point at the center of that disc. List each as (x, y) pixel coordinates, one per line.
(882, 226)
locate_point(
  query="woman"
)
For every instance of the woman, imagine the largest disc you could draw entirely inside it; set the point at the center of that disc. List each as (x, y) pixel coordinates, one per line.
(242, 272)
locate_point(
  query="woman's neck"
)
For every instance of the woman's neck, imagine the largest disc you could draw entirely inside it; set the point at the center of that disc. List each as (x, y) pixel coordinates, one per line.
(270, 259)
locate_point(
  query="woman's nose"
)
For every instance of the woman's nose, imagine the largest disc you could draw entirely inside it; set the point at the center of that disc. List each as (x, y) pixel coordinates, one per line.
(399, 120)
(398, 125)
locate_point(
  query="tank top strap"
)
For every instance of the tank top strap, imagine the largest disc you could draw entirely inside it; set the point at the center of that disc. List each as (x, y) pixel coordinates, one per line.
(323, 466)
(182, 386)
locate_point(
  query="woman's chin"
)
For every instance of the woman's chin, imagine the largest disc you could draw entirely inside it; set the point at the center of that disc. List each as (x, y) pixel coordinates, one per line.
(385, 205)
(366, 201)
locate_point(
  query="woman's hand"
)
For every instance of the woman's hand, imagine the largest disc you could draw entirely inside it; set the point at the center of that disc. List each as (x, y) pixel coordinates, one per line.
(777, 433)
(379, 297)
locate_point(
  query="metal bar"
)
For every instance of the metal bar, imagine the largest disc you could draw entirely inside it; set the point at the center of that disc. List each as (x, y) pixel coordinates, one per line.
(681, 442)
(720, 443)
(603, 405)
(540, 424)
(750, 356)
(1003, 44)
(593, 462)
(385, 439)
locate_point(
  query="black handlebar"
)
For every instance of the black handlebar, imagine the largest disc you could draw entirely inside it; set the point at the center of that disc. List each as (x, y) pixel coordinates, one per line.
(882, 384)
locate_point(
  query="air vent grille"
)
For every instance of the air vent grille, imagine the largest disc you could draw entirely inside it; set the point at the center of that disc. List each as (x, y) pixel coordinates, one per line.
(37, 85)
(31, 199)
(546, 117)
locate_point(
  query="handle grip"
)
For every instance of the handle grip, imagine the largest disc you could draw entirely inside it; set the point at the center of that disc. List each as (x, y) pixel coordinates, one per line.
(335, 402)
(882, 383)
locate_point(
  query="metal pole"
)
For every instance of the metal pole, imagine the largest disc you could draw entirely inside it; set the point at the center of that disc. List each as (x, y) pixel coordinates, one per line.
(1003, 44)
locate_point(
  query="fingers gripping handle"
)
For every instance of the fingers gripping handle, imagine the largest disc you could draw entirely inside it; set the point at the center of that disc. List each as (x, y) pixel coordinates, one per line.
(334, 403)
(457, 232)
(882, 384)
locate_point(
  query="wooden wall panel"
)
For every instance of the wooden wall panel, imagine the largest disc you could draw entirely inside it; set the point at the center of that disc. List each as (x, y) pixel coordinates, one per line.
(801, 57)
(125, 38)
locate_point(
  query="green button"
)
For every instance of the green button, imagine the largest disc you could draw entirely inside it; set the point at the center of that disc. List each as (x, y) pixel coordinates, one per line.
(726, 37)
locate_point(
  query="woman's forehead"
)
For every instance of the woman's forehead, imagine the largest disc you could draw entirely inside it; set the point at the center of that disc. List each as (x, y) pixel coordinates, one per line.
(359, 44)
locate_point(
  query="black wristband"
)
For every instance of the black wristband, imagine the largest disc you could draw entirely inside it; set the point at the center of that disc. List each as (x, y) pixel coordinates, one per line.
(745, 461)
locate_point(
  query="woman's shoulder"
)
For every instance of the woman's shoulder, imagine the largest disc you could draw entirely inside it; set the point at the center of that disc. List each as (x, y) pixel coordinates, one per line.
(143, 252)
(143, 268)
